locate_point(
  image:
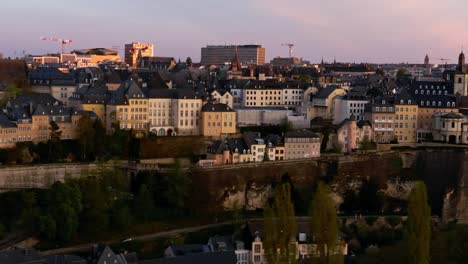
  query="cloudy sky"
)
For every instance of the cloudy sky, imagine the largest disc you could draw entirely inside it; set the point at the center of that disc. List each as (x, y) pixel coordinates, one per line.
(348, 30)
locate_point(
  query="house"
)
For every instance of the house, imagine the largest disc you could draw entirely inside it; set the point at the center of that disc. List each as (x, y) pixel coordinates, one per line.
(350, 132)
(103, 254)
(406, 117)
(222, 96)
(256, 145)
(450, 128)
(305, 246)
(301, 145)
(275, 147)
(64, 259)
(21, 256)
(224, 257)
(322, 104)
(186, 249)
(381, 115)
(225, 243)
(217, 119)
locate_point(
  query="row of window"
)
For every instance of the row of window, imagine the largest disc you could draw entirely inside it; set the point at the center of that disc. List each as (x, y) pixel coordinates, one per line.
(434, 103)
(300, 140)
(429, 93)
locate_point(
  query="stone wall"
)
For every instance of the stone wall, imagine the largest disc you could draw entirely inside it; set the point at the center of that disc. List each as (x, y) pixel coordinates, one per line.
(40, 176)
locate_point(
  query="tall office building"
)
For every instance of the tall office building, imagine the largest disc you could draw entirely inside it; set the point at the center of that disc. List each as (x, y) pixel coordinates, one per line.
(246, 54)
(133, 50)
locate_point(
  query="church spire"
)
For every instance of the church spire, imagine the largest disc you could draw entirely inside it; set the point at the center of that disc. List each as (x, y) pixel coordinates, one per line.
(461, 62)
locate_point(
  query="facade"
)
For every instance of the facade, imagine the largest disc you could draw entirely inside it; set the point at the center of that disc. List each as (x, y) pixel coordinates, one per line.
(221, 54)
(273, 94)
(322, 104)
(461, 77)
(450, 128)
(222, 96)
(406, 118)
(351, 132)
(62, 90)
(217, 120)
(136, 50)
(381, 114)
(301, 145)
(345, 106)
(256, 116)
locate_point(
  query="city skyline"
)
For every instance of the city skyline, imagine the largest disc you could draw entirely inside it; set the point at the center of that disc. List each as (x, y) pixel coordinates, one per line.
(352, 31)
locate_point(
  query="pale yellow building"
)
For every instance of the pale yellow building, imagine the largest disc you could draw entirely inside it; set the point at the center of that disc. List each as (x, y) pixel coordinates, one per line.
(406, 118)
(217, 120)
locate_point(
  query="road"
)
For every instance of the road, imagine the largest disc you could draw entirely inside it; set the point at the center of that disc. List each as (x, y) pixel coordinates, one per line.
(169, 233)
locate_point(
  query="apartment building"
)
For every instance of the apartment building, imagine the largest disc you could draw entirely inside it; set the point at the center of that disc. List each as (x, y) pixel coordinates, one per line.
(301, 145)
(217, 119)
(223, 97)
(381, 114)
(273, 93)
(406, 117)
(222, 54)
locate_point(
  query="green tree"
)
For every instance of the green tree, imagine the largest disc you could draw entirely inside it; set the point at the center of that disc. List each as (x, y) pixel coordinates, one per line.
(48, 227)
(11, 91)
(177, 188)
(285, 125)
(99, 136)
(86, 136)
(280, 227)
(305, 78)
(94, 216)
(324, 225)
(401, 72)
(419, 225)
(366, 144)
(55, 149)
(66, 219)
(144, 204)
(120, 215)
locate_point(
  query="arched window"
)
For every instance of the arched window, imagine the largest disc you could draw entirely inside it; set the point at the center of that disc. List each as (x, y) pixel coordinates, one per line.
(439, 104)
(433, 103)
(428, 103)
(415, 91)
(409, 101)
(453, 104)
(448, 104)
(422, 103)
(459, 80)
(402, 102)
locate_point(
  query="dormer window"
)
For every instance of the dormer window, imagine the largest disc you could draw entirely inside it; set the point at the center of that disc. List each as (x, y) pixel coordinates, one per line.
(422, 103)
(402, 102)
(409, 101)
(453, 104)
(416, 92)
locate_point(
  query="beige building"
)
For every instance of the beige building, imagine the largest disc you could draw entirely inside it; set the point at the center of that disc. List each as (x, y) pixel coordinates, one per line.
(450, 128)
(223, 97)
(272, 94)
(217, 120)
(322, 104)
(136, 50)
(301, 145)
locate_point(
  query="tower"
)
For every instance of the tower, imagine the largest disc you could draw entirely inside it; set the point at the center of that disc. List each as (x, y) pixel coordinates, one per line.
(461, 77)
(426, 61)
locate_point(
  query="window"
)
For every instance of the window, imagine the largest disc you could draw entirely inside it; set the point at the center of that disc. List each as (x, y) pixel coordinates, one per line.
(453, 124)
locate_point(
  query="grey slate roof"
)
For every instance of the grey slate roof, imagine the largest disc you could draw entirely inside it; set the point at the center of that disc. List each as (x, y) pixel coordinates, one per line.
(21, 256)
(221, 257)
(219, 107)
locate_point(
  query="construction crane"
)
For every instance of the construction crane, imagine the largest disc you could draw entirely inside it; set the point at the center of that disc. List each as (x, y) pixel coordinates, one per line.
(443, 60)
(63, 42)
(290, 48)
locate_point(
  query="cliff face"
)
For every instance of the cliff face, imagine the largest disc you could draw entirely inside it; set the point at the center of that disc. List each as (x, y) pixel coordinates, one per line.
(394, 173)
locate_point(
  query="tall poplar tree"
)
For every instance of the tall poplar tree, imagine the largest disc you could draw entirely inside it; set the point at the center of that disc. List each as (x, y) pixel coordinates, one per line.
(419, 225)
(280, 228)
(324, 226)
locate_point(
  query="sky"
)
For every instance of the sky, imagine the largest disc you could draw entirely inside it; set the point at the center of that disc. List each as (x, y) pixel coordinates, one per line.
(373, 31)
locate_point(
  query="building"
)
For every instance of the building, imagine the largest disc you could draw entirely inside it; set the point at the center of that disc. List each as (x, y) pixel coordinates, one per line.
(381, 114)
(273, 94)
(217, 120)
(62, 90)
(278, 61)
(322, 104)
(137, 50)
(346, 106)
(275, 148)
(222, 54)
(351, 132)
(450, 128)
(222, 96)
(406, 117)
(301, 145)
(461, 77)
(259, 116)
(91, 57)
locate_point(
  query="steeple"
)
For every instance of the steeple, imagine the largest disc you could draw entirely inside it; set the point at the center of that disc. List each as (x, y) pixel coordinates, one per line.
(235, 66)
(426, 61)
(461, 63)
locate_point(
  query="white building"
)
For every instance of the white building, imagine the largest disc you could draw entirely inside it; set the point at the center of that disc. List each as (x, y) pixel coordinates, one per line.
(344, 107)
